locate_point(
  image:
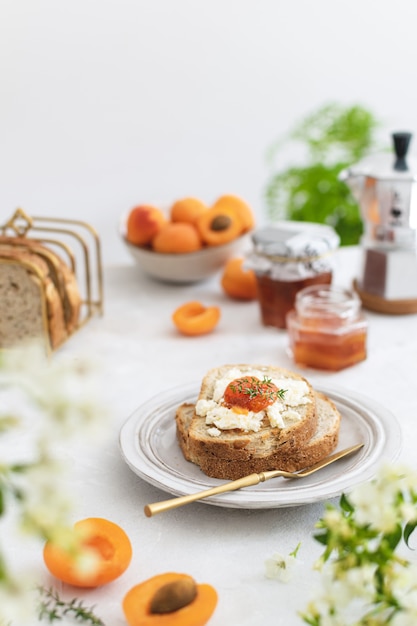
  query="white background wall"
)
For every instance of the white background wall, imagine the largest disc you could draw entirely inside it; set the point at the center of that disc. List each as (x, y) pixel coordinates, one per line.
(109, 103)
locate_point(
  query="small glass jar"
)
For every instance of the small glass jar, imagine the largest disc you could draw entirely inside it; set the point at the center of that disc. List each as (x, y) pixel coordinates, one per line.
(287, 257)
(327, 329)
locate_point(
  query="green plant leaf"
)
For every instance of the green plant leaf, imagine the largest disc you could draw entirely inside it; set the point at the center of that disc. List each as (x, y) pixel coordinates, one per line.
(394, 538)
(345, 505)
(408, 531)
(333, 137)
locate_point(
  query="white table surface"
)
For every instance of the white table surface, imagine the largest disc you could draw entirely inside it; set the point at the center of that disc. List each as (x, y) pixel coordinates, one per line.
(141, 355)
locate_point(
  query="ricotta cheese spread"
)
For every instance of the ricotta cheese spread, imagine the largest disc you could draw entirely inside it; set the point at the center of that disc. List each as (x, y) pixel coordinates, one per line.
(281, 413)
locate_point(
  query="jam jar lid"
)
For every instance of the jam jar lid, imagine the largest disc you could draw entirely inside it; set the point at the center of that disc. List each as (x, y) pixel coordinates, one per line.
(294, 240)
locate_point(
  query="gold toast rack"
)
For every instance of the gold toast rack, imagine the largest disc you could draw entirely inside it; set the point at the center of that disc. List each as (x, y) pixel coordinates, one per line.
(78, 244)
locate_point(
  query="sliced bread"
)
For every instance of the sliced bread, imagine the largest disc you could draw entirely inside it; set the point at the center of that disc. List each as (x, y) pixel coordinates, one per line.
(236, 436)
(290, 458)
(39, 296)
(30, 307)
(59, 272)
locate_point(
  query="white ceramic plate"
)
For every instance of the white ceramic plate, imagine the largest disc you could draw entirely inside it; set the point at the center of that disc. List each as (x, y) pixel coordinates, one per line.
(149, 447)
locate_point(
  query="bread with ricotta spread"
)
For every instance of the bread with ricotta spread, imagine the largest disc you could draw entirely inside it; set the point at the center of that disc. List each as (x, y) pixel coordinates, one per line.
(297, 428)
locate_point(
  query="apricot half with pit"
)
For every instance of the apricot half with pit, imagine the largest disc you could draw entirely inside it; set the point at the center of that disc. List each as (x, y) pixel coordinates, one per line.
(239, 207)
(219, 226)
(173, 599)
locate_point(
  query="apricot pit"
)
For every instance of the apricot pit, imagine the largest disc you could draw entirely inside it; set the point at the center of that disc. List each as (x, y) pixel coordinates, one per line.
(239, 207)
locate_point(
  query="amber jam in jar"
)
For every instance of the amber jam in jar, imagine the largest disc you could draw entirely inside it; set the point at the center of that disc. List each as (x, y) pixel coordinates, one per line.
(327, 329)
(287, 257)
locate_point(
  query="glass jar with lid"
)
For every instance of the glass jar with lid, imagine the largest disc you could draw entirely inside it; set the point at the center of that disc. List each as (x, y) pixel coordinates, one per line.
(287, 257)
(327, 329)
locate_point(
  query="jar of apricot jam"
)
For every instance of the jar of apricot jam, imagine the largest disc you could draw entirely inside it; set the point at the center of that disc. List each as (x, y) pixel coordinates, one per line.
(327, 329)
(287, 257)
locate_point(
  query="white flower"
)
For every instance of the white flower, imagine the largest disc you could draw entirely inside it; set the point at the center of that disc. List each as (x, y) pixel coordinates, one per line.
(46, 504)
(61, 393)
(280, 567)
(336, 522)
(404, 586)
(408, 512)
(361, 581)
(374, 505)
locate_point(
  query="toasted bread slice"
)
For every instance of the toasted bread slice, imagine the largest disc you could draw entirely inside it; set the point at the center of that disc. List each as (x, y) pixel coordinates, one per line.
(297, 424)
(289, 458)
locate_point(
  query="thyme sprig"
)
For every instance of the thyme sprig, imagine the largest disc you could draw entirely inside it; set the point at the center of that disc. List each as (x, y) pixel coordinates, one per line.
(257, 388)
(52, 608)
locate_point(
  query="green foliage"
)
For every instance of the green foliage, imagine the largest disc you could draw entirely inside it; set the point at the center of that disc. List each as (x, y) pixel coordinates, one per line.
(332, 137)
(52, 608)
(366, 579)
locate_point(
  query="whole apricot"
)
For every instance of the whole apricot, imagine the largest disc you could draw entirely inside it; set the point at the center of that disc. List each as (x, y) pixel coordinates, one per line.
(239, 207)
(104, 541)
(237, 282)
(187, 210)
(143, 223)
(176, 238)
(193, 318)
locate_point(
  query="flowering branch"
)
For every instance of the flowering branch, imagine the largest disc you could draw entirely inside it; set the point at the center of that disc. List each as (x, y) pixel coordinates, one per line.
(45, 403)
(365, 580)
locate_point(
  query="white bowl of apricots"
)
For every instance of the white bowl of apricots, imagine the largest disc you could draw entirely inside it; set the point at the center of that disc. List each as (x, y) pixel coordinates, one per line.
(191, 241)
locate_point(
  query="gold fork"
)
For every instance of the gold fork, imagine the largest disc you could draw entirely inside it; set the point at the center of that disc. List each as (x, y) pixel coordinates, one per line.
(246, 481)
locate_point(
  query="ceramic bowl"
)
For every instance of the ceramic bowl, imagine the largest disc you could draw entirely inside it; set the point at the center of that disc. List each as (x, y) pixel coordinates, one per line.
(189, 267)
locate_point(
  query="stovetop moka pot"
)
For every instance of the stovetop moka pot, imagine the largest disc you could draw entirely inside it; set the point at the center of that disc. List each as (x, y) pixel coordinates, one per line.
(385, 187)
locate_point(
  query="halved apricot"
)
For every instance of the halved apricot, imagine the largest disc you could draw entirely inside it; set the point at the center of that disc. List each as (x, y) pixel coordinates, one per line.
(105, 541)
(237, 282)
(143, 223)
(193, 318)
(218, 226)
(177, 238)
(138, 603)
(239, 207)
(187, 210)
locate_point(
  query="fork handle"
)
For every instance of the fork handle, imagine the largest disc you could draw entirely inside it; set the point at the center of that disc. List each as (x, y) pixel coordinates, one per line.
(173, 503)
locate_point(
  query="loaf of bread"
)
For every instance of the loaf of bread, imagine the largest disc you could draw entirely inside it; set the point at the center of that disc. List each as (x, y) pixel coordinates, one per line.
(232, 452)
(38, 294)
